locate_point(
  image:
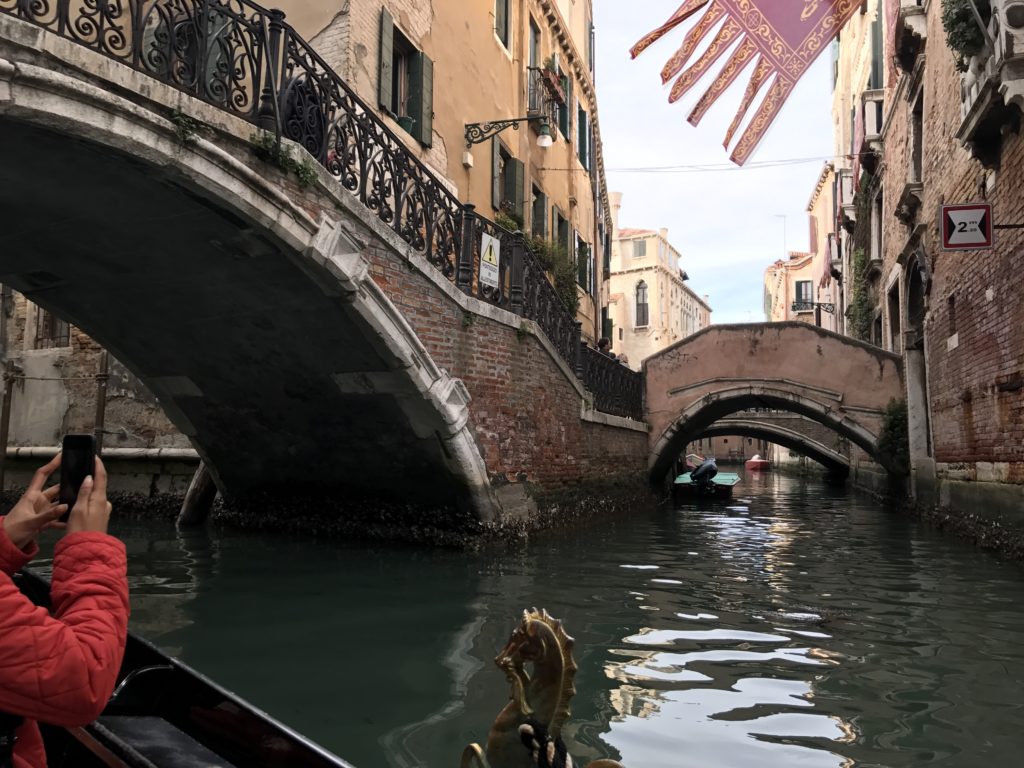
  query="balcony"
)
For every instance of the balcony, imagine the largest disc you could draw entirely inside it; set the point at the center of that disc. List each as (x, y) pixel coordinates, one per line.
(911, 33)
(873, 115)
(992, 88)
(909, 202)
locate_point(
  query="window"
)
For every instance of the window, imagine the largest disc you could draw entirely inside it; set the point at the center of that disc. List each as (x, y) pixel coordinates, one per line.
(804, 294)
(539, 214)
(51, 331)
(639, 248)
(584, 270)
(564, 115)
(508, 181)
(502, 27)
(951, 304)
(895, 337)
(876, 228)
(405, 88)
(583, 136)
(917, 139)
(534, 44)
(642, 307)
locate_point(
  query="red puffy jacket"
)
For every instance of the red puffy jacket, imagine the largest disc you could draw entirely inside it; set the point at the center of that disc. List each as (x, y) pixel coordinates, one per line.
(61, 669)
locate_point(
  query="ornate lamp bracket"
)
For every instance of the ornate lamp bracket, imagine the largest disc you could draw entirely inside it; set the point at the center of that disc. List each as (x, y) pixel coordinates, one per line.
(479, 132)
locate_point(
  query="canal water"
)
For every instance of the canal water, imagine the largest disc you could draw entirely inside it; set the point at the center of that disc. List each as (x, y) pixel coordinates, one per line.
(796, 625)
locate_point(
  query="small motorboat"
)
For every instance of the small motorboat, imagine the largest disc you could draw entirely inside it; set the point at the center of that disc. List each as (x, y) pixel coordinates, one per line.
(703, 480)
(757, 464)
(163, 714)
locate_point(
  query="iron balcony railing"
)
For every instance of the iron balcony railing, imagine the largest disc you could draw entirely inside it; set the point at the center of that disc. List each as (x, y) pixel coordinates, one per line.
(246, 60)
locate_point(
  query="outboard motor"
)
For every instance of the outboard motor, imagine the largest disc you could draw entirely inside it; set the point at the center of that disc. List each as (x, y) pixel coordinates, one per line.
(702, 475)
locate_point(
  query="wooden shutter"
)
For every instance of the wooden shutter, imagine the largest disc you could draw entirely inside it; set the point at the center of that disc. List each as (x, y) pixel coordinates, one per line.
(421, 99)
(496, 173)
(387, 48)
(540, 213)
(515, 181)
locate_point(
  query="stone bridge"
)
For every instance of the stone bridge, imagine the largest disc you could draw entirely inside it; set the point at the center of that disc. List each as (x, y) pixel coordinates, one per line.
(790, 430)
(833, 380)
(316, 327)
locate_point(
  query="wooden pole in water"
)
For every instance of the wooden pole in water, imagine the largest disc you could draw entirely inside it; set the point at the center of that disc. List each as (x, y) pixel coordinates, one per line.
(198, 499)
(102, 376)
(5, 418)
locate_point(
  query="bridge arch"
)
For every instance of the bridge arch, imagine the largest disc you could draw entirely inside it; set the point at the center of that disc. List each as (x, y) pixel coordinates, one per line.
(700, 416)
(189, 262)
(834, 461)
(838, 382)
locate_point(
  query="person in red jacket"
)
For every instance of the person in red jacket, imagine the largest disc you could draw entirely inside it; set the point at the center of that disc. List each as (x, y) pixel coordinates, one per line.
(61, 668)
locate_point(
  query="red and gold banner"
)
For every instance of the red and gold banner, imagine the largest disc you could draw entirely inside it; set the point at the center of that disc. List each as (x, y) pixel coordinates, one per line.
(785, 36)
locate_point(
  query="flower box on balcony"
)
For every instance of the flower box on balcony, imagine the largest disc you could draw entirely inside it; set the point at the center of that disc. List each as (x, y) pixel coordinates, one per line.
(553, 84)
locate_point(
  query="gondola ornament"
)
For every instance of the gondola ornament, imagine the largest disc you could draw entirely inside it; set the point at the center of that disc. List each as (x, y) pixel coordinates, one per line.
(527, 732)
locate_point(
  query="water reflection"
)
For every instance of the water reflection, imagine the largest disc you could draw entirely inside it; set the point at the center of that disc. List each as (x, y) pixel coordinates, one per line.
(794, 626)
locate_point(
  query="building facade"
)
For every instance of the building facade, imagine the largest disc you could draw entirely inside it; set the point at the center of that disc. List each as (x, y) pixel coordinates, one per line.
(650, 307)
(429, 70)
(807, 287)
(925, 125)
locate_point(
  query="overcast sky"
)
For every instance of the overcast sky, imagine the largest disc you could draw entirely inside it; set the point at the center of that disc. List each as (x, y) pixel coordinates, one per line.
(726, 224)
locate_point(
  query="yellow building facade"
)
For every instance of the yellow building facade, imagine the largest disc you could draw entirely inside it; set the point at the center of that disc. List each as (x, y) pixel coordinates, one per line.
(429, 70)
(650, 307)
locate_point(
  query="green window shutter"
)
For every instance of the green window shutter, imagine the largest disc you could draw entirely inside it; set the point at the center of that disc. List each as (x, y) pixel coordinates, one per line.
(515, 178)
(583, 136)
(563, 110)
(607, 327)
(496, 174)
(543, 210)
(421, 99)
(387, 42)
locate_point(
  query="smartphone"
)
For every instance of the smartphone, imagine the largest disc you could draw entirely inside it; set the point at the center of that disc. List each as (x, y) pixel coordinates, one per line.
(77, 462)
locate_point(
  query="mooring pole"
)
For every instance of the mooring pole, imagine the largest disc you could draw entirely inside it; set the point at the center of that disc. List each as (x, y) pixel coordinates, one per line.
(102, 376)
(5, 419)
(198, 499)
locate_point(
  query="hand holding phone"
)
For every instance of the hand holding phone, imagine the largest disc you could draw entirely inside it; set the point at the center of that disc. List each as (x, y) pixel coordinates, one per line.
(77, 462)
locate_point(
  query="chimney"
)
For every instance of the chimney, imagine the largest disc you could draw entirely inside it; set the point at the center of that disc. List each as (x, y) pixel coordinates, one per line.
(615, 199)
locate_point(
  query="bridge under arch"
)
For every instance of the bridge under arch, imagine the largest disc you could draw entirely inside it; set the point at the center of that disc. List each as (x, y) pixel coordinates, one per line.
(836, 381)
(835, 462)
(253, 319)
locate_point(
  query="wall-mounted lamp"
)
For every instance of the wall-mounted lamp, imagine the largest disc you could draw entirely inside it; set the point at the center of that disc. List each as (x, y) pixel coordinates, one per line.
(478, 132)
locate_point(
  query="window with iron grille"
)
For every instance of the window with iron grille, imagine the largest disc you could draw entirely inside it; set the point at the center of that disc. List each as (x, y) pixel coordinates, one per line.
(51, 331)
(804, 293)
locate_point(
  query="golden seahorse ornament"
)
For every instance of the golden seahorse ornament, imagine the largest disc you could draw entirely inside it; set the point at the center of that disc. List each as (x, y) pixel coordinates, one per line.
(527, 732)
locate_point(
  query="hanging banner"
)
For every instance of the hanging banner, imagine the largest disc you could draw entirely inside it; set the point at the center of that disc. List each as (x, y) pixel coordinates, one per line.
(785, 37)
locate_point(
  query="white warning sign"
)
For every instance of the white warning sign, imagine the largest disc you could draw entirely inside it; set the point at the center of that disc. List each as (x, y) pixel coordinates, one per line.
(966, 227)
(490, 261)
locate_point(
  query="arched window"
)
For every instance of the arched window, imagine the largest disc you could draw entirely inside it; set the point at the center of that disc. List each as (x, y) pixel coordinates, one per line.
(642, 307)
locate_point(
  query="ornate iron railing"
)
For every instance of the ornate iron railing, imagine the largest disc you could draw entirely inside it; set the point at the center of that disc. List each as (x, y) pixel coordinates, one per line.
(617, 389)
(246, 60)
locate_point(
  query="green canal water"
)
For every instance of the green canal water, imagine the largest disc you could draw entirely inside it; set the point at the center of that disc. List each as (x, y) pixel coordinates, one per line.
(795, 626)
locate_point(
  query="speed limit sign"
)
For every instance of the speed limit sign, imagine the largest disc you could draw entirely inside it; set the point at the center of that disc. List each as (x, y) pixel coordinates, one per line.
(966, 227)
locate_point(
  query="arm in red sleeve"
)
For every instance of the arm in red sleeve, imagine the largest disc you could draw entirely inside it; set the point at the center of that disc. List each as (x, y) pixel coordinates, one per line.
(61, 669)
(13, 559)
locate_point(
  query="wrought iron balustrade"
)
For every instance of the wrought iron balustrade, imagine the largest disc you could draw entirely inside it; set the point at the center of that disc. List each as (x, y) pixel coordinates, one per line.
(246, 60)
(617, 389)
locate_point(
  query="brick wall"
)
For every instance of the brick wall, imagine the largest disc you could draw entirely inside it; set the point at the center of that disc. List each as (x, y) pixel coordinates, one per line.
(525, 412)
(975, 363)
